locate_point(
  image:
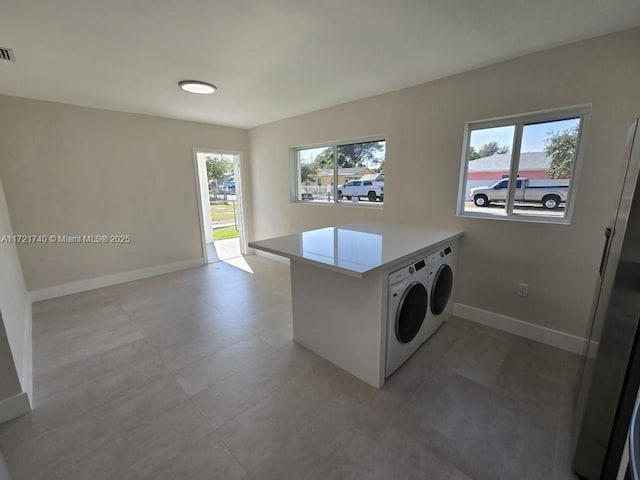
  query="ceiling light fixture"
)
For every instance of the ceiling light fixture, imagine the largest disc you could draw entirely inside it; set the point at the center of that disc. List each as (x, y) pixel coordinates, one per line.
(196, 86)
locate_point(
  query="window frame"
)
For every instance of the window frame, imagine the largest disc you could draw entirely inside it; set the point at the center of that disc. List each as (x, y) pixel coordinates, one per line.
(519, 121)
(294, 184)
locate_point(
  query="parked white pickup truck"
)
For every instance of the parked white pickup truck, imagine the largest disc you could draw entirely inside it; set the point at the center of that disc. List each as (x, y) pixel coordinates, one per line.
(549, 196)
(369, 189)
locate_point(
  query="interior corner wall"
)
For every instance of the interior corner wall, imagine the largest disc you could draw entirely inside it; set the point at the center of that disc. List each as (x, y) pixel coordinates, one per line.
(424, 128)
(9, 381)
(15, 315)
(71, 170)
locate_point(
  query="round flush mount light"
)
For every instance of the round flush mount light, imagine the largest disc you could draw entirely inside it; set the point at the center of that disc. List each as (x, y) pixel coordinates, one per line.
(196, 86)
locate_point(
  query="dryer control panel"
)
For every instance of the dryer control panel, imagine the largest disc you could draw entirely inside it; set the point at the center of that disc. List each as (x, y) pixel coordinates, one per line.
(440, 254)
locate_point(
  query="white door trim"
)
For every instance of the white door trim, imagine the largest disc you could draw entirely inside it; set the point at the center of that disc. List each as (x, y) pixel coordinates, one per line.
(196, 174)
(238, 167)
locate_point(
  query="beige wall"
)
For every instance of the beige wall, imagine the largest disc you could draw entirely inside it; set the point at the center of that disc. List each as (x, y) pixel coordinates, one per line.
(9, 383)
(15, 316)
(424, 127)
(74, 170)
(271, 212)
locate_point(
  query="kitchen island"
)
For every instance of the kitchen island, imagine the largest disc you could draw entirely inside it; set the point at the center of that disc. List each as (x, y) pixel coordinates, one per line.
(339, 282)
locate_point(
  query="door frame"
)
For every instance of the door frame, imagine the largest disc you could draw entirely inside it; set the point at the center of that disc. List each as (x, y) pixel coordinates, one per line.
(239, 180)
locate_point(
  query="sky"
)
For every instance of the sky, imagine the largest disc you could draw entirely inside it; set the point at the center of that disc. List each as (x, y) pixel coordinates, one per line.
(308, 155)
(532, 135)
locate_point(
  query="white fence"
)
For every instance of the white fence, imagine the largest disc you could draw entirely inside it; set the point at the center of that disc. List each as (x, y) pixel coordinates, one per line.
(317, 191)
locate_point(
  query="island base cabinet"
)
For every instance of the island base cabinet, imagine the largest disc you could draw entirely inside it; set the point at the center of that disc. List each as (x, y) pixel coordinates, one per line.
(341, 318)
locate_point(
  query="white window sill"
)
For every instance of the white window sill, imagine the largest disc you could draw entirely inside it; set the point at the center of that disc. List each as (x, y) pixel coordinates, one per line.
(347, 204)
(517, 218)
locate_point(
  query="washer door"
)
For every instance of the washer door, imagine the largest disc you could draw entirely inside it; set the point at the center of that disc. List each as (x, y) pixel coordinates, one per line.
(411, 312)
(441, 289)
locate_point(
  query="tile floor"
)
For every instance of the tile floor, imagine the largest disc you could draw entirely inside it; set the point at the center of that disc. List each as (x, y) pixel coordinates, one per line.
(193, 375)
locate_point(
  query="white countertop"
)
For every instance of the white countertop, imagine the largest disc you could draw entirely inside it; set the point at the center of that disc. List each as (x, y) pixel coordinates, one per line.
(355, 249)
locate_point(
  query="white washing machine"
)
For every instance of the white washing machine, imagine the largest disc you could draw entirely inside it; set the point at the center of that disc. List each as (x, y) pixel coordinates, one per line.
(441, 266)
(408, 304)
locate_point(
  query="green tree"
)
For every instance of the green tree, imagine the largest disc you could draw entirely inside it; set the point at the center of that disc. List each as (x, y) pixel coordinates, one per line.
(306, 171)
(491, 148)
(486, 150)
(353, 155)
(561, 147)
(218, 168)
(359, 154)
(324, 159)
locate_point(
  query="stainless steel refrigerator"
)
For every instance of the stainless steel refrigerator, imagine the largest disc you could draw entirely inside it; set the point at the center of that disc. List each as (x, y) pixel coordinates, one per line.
(610, 374)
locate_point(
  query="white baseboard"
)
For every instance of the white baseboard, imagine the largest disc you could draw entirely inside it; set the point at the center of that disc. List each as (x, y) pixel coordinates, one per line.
(108, 280)
(26, 379)
(13, 407)
(271, 256)
(549, 336)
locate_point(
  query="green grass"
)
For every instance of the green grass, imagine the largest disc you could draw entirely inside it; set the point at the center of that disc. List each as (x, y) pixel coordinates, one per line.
(224, 233)
(221, 212)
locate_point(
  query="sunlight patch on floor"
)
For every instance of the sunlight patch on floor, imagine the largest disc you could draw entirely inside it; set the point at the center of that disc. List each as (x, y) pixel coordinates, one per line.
(239, 262)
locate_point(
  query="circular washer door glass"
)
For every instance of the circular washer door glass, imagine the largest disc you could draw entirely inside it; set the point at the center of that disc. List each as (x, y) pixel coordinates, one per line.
(411, 312)
(441, 290)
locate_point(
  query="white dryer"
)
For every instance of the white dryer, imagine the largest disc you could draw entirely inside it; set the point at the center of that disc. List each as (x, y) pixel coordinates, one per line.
(408, 303)
(441, 265)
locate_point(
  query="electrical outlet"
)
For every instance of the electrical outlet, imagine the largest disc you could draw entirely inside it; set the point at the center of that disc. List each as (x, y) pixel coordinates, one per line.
(523, 289)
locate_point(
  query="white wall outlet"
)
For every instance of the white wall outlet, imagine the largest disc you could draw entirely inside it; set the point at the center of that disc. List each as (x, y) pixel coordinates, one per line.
(523, 289)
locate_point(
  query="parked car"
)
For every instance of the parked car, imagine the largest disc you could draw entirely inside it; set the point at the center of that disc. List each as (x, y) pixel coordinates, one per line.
(228, 186)
(304, 195)
(550, 196)
(369, 189)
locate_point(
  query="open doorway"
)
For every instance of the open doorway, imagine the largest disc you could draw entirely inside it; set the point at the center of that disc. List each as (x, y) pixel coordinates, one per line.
(220, 193)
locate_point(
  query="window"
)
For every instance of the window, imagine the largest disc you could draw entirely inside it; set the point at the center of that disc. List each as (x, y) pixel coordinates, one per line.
(522, 167)
(356, 178)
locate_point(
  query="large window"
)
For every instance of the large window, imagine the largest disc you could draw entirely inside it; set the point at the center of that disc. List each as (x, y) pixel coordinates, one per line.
(522, 167)
(357, 177)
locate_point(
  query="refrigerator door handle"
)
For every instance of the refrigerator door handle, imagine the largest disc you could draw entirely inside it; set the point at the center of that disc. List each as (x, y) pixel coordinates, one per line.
(608, 233)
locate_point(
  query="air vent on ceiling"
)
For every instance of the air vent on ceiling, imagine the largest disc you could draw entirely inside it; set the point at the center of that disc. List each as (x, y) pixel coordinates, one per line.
(7, 54)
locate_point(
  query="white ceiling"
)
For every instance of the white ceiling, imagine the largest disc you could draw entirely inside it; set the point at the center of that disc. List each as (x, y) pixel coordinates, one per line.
(271, 59)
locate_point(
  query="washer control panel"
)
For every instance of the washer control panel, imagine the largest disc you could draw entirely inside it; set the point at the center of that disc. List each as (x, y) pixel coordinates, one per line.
(407, 271)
